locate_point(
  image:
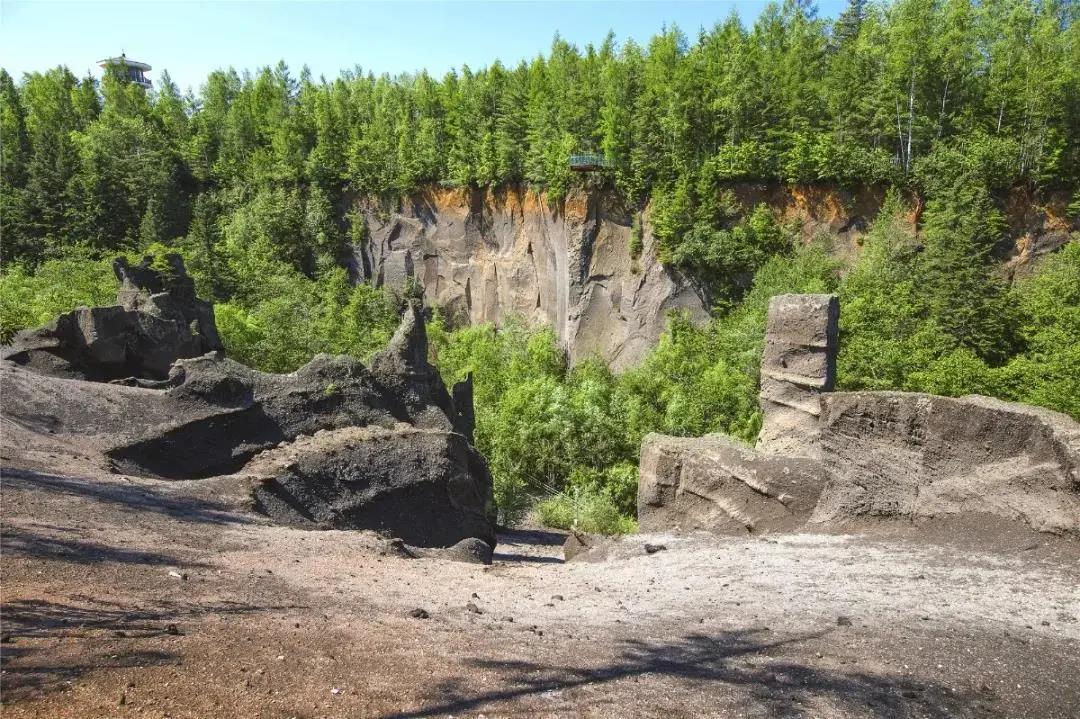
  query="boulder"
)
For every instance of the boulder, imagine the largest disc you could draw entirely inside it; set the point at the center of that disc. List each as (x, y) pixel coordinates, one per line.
(717, 484)
(158, 319)
(908, 456)
(426, 487)
(798, 364)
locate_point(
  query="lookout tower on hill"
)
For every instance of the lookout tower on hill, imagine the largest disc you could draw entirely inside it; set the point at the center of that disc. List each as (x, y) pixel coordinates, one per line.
(133, 71)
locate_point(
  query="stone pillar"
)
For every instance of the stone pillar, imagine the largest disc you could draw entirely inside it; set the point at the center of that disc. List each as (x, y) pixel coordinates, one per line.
(798, 364)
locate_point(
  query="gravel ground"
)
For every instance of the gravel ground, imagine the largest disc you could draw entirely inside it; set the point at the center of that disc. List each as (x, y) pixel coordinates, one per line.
(134, 597)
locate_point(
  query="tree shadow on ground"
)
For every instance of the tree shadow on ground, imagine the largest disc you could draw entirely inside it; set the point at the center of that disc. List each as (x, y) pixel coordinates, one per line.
(28, 678)
(27, 669)
(773, 687)
(515, 558)
(542, 537)
(139, 498)
(25, 543)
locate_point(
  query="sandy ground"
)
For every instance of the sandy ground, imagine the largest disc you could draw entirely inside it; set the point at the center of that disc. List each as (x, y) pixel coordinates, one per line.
(133, 597)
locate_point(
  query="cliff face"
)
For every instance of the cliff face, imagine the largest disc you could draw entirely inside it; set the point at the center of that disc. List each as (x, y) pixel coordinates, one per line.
(487, 255)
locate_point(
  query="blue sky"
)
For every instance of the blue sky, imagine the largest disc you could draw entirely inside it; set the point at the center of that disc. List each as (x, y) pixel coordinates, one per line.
(190, 39)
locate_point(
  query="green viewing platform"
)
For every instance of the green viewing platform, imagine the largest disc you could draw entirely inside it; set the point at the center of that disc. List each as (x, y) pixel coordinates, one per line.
(589, 162)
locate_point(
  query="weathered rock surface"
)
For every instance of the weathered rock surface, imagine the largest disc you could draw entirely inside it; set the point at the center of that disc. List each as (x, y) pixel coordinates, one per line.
(908, 456)
(714, 483)
(852, 459)
(394, 452)
(717, 484)
(157, 320)
(798, 364)
(487, 255)
(425, 486)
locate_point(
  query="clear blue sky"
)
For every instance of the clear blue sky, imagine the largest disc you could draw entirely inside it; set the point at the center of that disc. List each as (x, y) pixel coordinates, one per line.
(190, 39)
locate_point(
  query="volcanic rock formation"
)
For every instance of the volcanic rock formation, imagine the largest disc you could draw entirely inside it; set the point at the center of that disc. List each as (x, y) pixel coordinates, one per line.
(847, 458)
(488, 255)
(903, 455)
(333, 444)
(798, 364)
(156, 321)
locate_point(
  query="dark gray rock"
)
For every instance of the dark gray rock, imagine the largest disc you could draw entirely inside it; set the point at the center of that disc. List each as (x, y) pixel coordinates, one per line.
(403, 371)
(370, 449)
(231, 412)
(158, 319)
(471, 551)
(428, 487)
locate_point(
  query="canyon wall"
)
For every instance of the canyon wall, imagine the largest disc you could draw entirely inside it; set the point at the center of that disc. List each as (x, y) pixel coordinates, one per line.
(484, 255)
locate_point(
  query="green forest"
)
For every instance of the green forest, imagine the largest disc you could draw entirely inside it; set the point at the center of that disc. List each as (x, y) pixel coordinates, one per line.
(254, 180)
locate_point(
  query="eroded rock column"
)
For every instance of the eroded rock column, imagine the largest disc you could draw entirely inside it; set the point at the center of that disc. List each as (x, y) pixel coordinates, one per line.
(799, 363)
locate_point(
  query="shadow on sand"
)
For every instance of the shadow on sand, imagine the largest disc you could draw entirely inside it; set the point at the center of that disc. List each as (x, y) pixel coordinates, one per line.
(773, 687)
(102, 625)
(23, 542)
(139, 498)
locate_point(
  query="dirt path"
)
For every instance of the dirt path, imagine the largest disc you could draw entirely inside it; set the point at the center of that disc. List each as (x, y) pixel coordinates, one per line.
(264, 621)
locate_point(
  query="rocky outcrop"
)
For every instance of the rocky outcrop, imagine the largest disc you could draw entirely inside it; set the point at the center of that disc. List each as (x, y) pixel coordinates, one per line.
(488, 255)
(717, 484)
(157, 320)
(714, 483)
(428, 487)
(908, 456)
(841, 460)
(798, 364)
(384, 448)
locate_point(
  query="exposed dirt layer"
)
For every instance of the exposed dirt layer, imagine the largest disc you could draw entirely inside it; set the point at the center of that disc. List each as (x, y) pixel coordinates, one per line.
(143, 598)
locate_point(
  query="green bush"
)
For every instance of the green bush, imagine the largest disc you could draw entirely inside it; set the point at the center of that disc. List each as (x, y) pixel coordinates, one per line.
(32, 299)
(637, 238)
(585, 510)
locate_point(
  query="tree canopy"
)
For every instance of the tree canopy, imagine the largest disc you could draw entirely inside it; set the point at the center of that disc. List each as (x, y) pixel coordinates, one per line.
(872, 97)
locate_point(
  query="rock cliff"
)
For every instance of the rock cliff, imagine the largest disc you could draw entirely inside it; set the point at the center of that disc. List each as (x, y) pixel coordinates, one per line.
(486, 255)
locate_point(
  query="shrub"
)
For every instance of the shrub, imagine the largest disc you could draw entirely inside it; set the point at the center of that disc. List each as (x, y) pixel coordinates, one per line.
(31, 299)
(586, 510)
